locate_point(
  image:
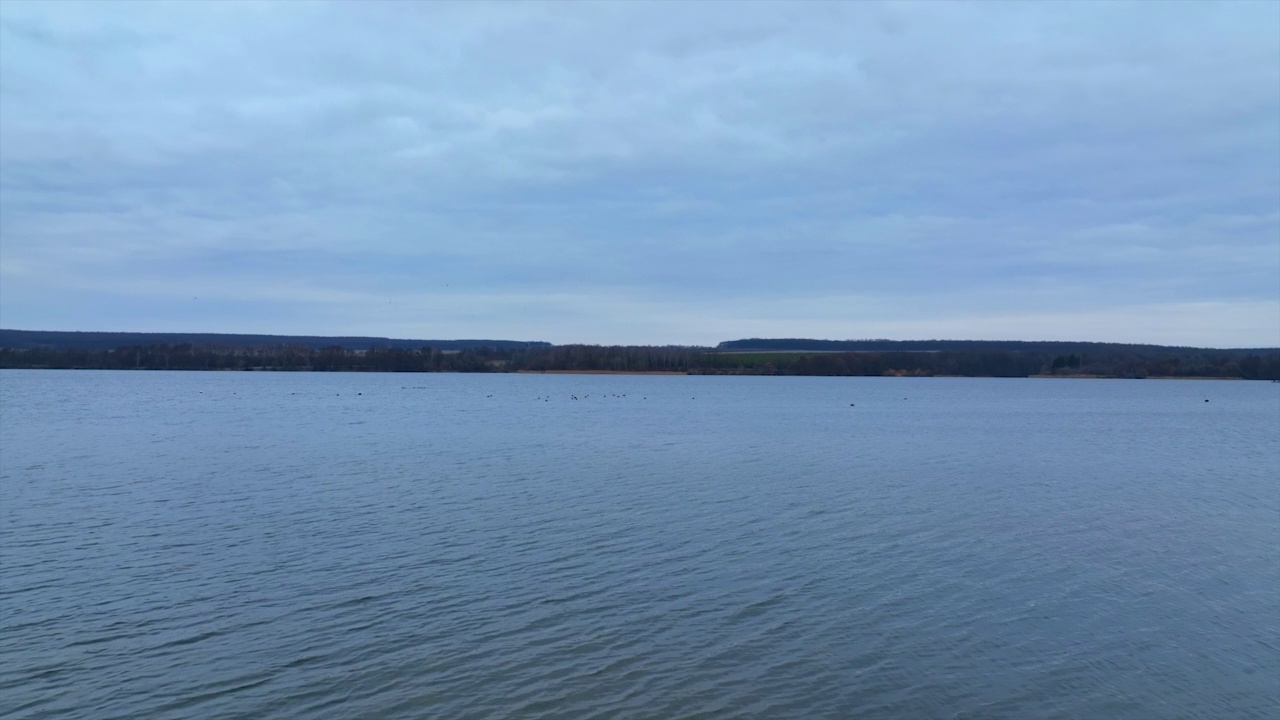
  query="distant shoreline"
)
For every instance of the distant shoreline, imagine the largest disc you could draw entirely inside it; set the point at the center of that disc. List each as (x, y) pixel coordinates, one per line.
(869, 358)
(632, 372)
(596, 372)
(1117, 377)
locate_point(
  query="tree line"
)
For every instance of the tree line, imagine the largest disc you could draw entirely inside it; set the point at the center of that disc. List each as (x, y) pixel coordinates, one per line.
(1053, 347)
(1121, 363)
(229, 341)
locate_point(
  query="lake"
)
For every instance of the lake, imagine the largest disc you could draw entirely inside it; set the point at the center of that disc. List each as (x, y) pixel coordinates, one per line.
(273, 545)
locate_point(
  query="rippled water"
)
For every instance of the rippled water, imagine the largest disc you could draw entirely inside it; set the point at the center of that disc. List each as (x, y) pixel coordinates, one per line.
(245, 545)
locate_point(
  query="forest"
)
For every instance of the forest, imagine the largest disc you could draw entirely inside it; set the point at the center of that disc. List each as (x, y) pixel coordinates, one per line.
(1107, 361)
(1053, 347)
(229, 341)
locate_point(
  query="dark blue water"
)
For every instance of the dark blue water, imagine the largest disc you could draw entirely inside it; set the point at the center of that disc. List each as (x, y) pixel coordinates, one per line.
(246, 545)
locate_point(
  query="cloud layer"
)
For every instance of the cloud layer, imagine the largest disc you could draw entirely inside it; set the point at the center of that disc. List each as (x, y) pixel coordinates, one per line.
(651, 173)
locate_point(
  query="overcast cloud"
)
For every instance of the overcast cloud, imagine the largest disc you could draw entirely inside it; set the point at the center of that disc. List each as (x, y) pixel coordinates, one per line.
(644, 173)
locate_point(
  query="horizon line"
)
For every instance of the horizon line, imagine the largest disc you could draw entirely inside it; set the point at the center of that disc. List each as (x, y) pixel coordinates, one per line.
(682, 345)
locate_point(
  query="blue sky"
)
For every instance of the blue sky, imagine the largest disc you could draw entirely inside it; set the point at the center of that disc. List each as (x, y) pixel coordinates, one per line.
(644, 173)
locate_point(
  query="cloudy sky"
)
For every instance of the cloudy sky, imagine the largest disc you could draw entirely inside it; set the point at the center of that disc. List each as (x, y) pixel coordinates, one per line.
(644, 173)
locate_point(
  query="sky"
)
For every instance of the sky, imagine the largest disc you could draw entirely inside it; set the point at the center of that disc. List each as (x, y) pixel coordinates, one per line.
(644, 173)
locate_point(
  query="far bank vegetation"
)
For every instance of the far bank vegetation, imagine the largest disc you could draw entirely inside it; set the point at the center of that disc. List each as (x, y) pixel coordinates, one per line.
(1123, 362)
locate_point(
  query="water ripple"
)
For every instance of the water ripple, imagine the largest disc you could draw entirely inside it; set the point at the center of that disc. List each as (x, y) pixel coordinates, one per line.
(241, 545)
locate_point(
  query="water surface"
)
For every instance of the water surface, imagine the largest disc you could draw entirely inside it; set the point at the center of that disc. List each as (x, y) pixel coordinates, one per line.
(254, 545)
